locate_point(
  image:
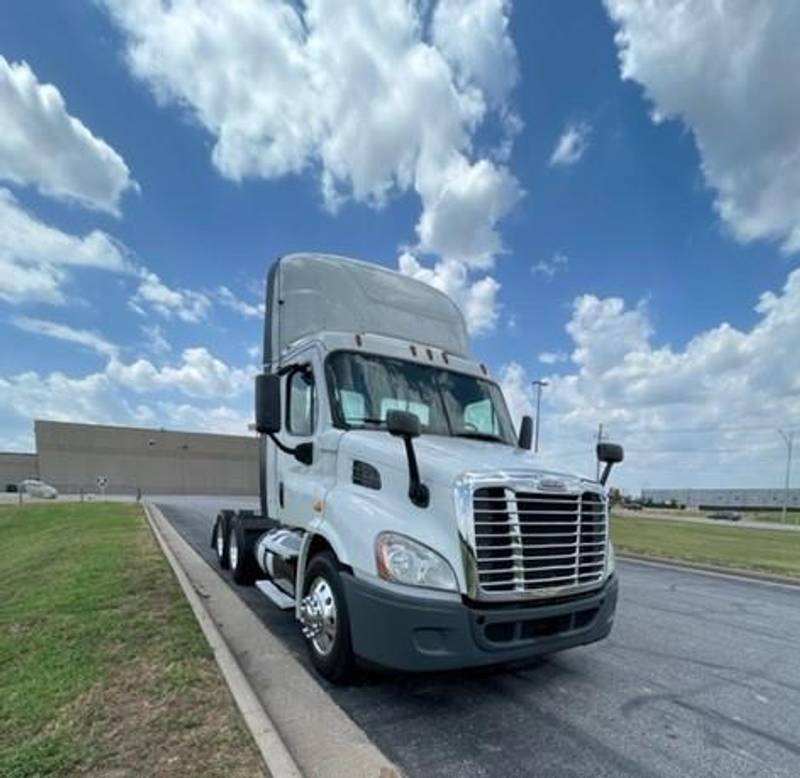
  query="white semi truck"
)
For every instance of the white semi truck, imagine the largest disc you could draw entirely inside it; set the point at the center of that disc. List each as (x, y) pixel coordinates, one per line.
(402, 519)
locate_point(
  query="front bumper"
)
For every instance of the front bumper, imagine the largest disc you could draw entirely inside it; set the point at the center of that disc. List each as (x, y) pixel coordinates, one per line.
(412, 633)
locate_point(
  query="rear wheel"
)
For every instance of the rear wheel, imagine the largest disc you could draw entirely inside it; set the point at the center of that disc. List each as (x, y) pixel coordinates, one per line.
(220, 537)
(326, 623)
(240, 555)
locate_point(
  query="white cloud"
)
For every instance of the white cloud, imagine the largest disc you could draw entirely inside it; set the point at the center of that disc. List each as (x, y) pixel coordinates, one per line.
(571, 144)
(199, 374)
(228, 299)
(185, 304)
(35, 258)
(50, 329)
(517, 390)
(42, 145)
(477, 299)
(157, 342)
(549, 267)
(462, 208)
(91, 399)
(474, 38)
(702, 415)
(552, 357)
(222, 419)
(727, 69)
(369, 95)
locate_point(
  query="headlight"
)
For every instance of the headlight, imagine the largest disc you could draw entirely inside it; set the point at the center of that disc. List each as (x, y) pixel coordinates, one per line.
(405, 561)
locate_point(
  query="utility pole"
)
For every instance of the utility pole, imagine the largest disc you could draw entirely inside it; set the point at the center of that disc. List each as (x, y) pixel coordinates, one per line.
(599, 440)
(538, 383)
(788, 439)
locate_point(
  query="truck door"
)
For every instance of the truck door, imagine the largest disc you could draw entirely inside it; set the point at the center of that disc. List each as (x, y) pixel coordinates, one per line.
(300, 486)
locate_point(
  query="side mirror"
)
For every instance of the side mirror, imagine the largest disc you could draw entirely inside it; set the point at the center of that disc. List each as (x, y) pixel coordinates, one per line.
(610, 454)
(525, 433)
(268, 403)
(403, 424)
(406, 426)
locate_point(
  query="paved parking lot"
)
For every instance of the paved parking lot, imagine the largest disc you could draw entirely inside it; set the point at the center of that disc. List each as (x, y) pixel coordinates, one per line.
(700, 677)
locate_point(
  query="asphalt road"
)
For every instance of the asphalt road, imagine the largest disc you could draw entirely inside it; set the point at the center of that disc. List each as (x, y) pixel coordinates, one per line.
(700, 677)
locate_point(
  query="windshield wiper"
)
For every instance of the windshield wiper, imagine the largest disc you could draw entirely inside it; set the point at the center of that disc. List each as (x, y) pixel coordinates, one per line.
(365, 420)
(479, 436)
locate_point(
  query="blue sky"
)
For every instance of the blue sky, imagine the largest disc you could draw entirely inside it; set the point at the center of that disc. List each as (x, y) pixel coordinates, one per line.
(626, 269)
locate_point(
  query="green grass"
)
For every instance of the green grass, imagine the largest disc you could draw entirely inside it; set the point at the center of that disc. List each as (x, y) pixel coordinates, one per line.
(792, 517)
(102, 666)
(767, 551)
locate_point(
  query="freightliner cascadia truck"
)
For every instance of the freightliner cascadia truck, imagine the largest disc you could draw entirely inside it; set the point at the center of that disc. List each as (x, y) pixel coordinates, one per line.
(403, 520)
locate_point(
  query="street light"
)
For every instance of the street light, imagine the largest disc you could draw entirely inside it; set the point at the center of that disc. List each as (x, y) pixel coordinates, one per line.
(539, 384)
(788, 439)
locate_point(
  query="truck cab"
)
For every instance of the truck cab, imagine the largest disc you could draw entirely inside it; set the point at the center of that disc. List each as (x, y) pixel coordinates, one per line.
(403, 519)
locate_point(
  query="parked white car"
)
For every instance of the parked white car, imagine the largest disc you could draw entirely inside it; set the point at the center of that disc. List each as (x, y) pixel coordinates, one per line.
(36, 488)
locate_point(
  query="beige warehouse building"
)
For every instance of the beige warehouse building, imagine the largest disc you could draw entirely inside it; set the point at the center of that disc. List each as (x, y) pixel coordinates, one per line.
(72, 457)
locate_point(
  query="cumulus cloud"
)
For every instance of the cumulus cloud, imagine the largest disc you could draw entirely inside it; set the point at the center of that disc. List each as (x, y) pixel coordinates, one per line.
(106, 396)
(474, 38)
(153, 294)
(42, 145)
(36, 259)
(571, 144)
(477, 299)
(372, 96)
(517, 390)
(727, 70)
(705, 414)
(198, 374)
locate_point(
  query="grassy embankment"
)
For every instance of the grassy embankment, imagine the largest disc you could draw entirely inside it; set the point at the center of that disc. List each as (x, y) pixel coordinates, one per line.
(103, 669)
(766, 551)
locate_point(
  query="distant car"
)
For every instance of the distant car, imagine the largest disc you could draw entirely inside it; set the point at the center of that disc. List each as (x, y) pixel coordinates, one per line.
(633, 506)
(37, 488)
(724, 516)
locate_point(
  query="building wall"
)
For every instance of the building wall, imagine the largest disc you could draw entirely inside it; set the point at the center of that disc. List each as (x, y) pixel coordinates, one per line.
(72, 456)
(15, 467)
(724, 498)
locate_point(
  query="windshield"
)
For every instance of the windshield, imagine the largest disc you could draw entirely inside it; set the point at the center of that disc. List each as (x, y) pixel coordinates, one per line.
(365, 387)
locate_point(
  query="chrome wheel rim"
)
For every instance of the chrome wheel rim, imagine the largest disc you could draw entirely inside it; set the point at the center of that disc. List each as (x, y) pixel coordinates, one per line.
(319, 616)
(220, 542)
(233, 550)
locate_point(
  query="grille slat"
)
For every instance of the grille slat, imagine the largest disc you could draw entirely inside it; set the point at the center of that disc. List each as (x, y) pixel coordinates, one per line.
(527, 541)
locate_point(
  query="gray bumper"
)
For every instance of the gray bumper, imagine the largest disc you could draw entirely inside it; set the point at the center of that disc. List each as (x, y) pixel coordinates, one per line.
(410, 633)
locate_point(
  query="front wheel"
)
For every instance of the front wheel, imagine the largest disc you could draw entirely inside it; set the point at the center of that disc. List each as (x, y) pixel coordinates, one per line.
(325, 620)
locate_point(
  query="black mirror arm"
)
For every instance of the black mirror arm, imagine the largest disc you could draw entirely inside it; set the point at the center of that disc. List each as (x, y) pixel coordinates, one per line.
(300, 453)
(606, 473)
(418, 493)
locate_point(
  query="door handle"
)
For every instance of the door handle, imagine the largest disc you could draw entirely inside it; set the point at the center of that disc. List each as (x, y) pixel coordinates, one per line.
(280, 493)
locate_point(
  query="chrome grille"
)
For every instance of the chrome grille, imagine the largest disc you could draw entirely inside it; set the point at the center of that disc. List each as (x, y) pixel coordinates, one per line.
(526, 541)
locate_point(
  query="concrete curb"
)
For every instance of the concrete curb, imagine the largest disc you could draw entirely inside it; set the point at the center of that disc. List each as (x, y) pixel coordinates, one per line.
(279, 761)
(713, 570)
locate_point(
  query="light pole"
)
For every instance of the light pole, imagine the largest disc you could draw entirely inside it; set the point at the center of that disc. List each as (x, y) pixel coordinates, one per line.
(539, 384)
(788, 439)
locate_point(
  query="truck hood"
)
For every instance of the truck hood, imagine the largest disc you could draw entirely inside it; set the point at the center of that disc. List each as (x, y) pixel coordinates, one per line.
(443, 459)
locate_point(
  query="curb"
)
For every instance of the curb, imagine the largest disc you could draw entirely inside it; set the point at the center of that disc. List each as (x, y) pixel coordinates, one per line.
(276, 755)
(714, 570)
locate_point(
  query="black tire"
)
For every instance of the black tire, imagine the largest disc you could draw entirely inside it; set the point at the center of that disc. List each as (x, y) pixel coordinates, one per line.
(240, 554)
(337, 664)
(219, 539)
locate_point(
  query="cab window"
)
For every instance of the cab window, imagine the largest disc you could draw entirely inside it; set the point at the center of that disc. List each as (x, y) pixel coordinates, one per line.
(301, 413)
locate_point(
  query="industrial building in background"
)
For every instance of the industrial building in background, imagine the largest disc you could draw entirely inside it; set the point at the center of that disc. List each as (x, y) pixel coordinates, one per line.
(735, 499)
(128, 460)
